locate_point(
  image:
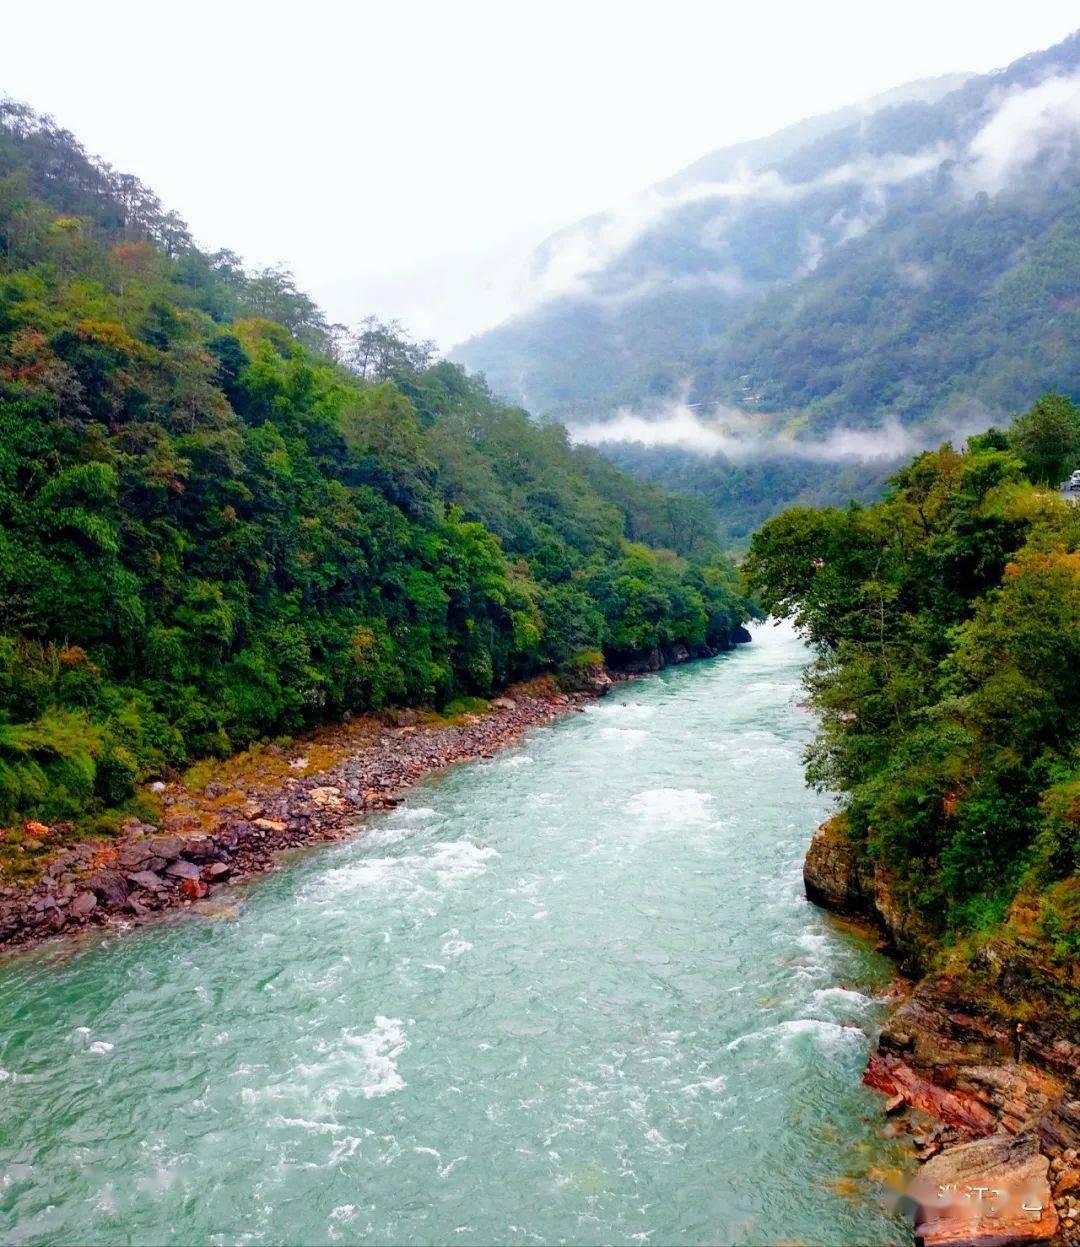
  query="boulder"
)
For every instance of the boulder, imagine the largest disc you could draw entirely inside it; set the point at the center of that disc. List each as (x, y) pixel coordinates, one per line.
(138, 855)
(325, 796)
(741, 636)
(195, 888)
(270, 824)
(109, 886)
(217, 870)
(147, 879)
(830, 872)
(82, 905)
(168, 847)
(988, 1193)
(200, 848)
(181, 869)
(504, 703)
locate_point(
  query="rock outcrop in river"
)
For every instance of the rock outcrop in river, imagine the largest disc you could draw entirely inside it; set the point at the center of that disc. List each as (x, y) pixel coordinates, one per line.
(994, 1103)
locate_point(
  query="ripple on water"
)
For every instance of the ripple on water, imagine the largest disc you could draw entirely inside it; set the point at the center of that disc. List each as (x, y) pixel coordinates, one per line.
(830, 1035)
(621, 711)
(627, 737)
(440, 866)
(671, 804)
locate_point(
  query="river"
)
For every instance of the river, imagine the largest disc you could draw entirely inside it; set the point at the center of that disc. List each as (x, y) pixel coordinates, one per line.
(571, 994)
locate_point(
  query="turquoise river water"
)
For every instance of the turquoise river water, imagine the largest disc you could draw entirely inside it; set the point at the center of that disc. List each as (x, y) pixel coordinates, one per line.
(573, 994)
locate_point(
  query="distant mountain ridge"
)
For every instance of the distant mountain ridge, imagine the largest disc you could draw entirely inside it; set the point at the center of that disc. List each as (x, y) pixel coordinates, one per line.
(914, 260)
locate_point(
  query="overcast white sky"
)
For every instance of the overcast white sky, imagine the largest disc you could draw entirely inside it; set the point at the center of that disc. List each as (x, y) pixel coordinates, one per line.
(404, 157)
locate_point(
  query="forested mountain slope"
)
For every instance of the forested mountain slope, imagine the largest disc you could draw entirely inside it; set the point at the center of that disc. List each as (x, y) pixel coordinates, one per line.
(811, 275)
(222, 519)
(917, 266)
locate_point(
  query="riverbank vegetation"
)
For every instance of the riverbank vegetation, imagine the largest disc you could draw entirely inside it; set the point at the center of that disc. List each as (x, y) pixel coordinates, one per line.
(223, 519)
(946, 620)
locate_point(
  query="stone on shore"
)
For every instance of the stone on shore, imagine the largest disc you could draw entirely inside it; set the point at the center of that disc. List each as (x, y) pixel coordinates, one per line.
(137, 855)
(109, 886)
(168, 847)
(270, 824)
(181, 869)
(147, 879)
(989, 1193)
(83, 904)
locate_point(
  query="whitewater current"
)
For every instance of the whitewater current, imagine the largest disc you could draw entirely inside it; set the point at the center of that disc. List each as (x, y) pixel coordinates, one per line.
(573, 994)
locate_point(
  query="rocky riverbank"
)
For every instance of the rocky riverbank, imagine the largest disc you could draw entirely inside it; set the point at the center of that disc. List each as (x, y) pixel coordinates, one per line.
(229, 821)
(992, 1103)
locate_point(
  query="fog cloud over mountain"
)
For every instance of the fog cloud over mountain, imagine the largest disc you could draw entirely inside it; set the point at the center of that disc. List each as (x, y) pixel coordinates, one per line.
(1025, 124)
(727, 432)
(837, 269)
(1034, 123)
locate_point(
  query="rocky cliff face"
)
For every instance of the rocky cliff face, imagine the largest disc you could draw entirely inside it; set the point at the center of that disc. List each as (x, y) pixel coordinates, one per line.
(992, 1104)
(666, 656)
(839, 878)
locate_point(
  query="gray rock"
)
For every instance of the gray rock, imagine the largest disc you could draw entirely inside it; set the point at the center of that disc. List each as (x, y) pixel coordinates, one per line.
(131, 856)
(147, 879)
(84, 904)
(183, 870)
(109, 886)
(168, 847)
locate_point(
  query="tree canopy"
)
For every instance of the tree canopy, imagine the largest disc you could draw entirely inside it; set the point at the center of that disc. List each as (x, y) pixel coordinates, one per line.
(946, 620)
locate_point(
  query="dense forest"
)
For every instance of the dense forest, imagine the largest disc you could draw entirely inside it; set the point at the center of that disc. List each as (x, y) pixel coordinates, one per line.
(742, 496)
(223, 519)
(946, 620)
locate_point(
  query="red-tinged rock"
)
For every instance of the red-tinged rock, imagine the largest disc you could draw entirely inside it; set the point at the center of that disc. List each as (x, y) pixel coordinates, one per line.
(988, 1193)
(894, 1104)
(195, 888)
(83, 904)
(1067, 1181)
(183, 870)
(38, 830)
(890, 1075)
(270, 824)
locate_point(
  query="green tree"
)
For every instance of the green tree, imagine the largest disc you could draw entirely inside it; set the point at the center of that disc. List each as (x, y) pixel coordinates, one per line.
(1047, 439)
